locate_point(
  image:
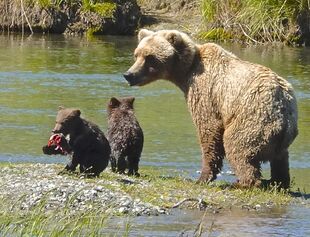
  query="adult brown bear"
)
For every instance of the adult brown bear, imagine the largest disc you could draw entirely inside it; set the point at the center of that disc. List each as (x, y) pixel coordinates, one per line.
(243, 111)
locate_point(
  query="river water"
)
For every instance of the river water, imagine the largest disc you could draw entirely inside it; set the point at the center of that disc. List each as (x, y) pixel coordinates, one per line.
(39, 73)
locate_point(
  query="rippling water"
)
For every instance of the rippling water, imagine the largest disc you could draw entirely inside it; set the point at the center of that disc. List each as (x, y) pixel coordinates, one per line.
(39, 73)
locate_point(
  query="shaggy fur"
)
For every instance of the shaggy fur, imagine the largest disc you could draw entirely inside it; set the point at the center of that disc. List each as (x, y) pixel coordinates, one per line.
(90, 148)
(243, 111)
(125, 136)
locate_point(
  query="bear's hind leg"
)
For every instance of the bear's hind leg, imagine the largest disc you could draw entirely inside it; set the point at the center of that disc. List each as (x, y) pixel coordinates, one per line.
(133, 165)
(121, 164)
(280, 170)
(247, 170)
(244, 152)
(113, 163)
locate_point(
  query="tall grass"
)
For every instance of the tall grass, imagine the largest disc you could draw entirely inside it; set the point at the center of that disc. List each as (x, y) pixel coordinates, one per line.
(39, 221)
(252, 20)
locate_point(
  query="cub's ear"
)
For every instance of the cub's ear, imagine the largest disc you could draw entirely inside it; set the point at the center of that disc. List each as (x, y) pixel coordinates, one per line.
(144, 33)
(114, 103)
(76, 113)
(130, 100)
(61, 107)
(175, 39)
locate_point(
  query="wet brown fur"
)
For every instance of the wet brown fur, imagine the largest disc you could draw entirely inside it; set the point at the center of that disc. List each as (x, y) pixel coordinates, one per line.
(89, 147)
(242, 111)
(125, 136)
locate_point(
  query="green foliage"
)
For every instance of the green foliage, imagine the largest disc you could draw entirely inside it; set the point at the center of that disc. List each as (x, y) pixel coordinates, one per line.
(92, 31)
(216, 34)
(105, 9)
(254, 20)
(49, 3)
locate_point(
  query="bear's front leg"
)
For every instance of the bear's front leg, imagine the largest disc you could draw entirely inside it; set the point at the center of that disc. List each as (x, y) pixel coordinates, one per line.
(73, 163)
(211, 142)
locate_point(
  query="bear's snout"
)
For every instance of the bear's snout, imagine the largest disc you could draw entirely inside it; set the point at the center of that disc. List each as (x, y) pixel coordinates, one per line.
(129, 76)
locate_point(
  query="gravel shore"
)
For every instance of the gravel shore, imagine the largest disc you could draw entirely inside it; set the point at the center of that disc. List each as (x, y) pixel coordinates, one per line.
(30, 185)
(25, 187)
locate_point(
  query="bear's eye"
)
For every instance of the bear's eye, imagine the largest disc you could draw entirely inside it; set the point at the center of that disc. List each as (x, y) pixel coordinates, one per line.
(150, 59)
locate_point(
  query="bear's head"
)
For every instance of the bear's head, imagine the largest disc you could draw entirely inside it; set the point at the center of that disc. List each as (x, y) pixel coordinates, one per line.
(165, 54)
(67, 120)
(125, 104)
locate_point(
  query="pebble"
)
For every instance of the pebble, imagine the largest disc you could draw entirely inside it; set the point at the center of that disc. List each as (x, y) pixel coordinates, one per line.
(39, 183)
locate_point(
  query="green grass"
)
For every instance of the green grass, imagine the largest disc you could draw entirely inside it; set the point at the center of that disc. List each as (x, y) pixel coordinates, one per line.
(56, 223)
(159, 188)
(257, 21)
(103, 8)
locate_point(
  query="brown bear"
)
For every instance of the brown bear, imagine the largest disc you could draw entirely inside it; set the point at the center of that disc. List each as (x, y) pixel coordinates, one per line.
(243, 111)
(86, 142)
(124, 135)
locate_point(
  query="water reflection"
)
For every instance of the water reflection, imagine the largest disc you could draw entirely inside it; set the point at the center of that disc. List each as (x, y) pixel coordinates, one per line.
(233, 223)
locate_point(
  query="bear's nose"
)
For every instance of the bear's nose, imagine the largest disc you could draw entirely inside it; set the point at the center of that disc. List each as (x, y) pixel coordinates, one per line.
(55, 131)
(128, 75)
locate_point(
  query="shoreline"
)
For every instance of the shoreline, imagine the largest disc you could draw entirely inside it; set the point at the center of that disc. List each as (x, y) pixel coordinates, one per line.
(27, 184)
(36, 200)
(225, 23)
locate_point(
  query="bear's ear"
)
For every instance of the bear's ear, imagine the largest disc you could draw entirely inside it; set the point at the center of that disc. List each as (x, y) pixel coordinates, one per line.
(144, 33)
(76, 113)
(114, 103)
(175, 39)
(61, 107)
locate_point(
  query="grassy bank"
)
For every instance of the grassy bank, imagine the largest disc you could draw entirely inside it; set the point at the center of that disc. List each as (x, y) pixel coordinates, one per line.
(29, 192)
(70, 17)
(249, 21)
(255, 21)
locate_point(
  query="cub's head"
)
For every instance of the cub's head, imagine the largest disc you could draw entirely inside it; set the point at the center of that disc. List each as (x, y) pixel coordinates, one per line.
(164, 54)
(124, 104)
(67, 120)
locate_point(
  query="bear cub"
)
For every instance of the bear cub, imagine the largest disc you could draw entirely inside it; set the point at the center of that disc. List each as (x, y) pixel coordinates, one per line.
(124, 135)
(86, 143)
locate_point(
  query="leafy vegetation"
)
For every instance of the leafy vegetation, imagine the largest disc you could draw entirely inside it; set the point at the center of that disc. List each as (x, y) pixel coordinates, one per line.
(252, 20)
(103, 8)
(48, 3)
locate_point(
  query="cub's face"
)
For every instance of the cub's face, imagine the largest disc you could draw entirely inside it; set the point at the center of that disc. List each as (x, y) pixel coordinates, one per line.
(66, 120)
(124, 104)
(154, 57)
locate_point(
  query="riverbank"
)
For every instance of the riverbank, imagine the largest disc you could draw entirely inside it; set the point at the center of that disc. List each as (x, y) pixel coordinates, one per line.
(34, 197)
(250, 22)
(115, 17)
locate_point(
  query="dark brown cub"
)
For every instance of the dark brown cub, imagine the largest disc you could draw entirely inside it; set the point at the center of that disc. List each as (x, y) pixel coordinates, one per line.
(124, 135)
